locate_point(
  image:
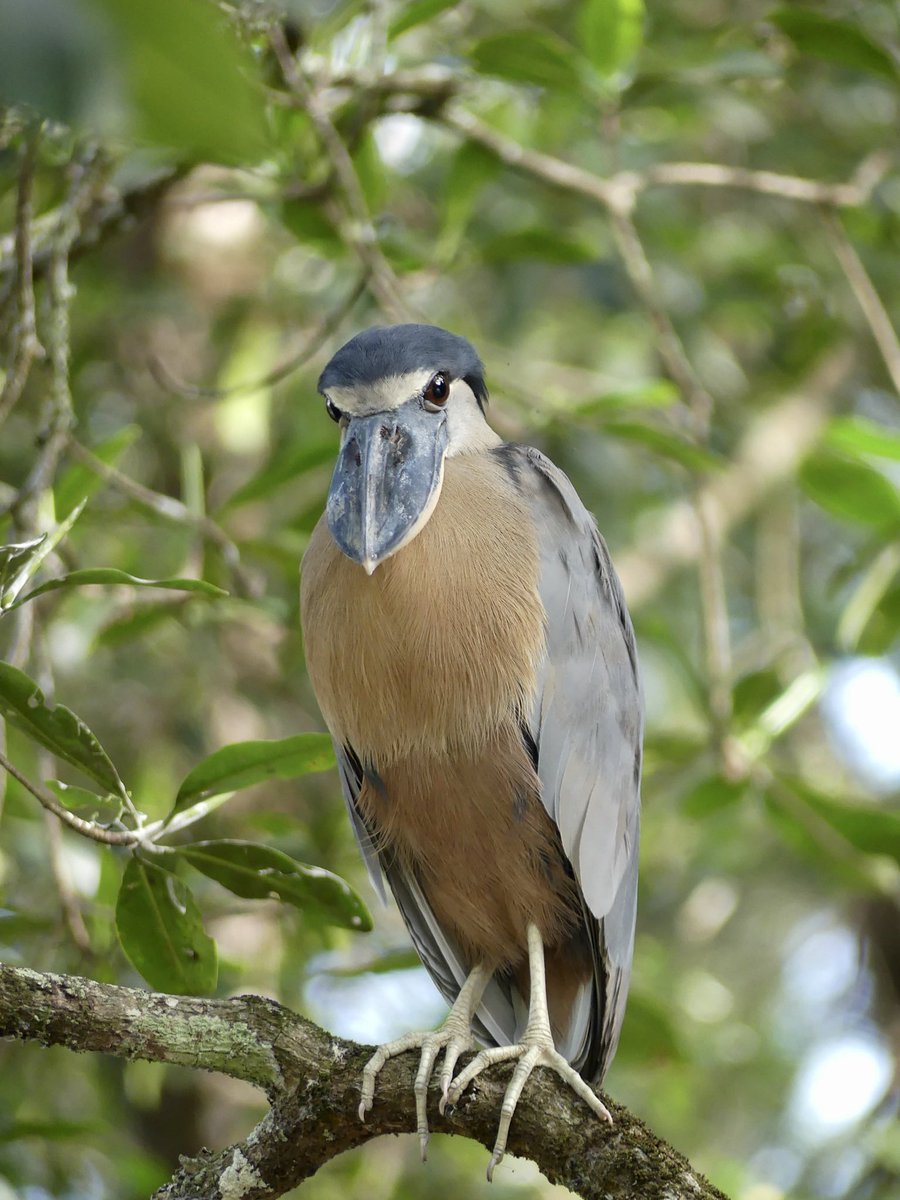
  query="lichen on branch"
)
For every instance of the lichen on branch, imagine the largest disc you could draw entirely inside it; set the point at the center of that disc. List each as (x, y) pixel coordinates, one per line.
(312, 1079)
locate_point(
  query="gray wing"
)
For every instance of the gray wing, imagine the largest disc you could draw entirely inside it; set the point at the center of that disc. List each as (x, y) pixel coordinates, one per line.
(496, 1020)
(586, 726)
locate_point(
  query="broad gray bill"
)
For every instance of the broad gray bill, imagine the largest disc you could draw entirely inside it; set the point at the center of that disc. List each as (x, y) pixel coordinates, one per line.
(387, 475)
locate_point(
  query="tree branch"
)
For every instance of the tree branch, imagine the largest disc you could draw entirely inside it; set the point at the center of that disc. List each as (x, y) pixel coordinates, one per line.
(313, 1078)
(620, 189)
(24, 344)
(774, 445)
(867, 297)
(106, 214)
(88, 829)
(358, 231)
(312, 344)
(169, 509)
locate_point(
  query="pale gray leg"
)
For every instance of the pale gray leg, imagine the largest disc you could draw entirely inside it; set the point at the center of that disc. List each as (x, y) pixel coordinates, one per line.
(454, 1037)
(536, 1049)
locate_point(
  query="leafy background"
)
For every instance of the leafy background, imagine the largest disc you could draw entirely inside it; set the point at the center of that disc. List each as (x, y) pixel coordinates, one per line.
(218, 196)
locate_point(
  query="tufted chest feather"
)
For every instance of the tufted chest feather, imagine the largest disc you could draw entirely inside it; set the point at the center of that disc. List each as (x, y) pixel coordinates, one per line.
(439, 646)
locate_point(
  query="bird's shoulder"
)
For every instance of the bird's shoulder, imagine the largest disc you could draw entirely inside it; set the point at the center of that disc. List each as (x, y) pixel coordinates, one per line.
(574, 554)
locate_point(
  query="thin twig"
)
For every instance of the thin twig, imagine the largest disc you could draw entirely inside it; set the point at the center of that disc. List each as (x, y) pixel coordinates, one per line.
(25, 347)
(358, 231)
(68, 900)
(714, 611)
(58, 418)
(867, 297)
(108, 211)
(620, 189)
(711, 575)
(608, 192)
(46, 766)
(669, 346)
(168, 508)
(312, 344)
(856, 192)
(775, 442)
(111, 837)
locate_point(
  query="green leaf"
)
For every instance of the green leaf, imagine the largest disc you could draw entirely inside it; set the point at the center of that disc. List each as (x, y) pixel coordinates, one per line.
(871, 829)
(870, 604)
(262, 873)
(14, 559)
(162, 933)
(526, 56)
(285, 467)
(90, 806)
(89, 576)
(835, 41)
(245, 763)
(541, 243)
(416, 13)
(712, 795)
(79, 481)
(611, 32)
(54, 727)
(856, 435)
(309, 225)
(648, 1034)
(34, 554)
(851, 841)
(189, 79)
(51, 1130)
(883, 629)
(370, 170)
(137, 623)
(666, 444)
(37, 33)
(401, 958)
(851, 490)
(754, 692)
(471, 168)
(651, 393)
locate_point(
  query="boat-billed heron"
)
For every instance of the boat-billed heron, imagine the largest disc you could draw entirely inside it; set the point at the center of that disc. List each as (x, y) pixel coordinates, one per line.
(472, 655)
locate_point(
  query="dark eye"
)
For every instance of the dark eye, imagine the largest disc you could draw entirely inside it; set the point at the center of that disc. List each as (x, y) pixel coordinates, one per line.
(332, 409)
(436, 393)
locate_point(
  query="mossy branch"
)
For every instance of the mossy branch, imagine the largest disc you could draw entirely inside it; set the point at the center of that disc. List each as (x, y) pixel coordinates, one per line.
(312, 1080)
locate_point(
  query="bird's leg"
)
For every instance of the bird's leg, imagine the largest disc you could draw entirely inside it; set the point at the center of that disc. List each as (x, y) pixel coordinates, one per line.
(454, 1037)
(536, 1049)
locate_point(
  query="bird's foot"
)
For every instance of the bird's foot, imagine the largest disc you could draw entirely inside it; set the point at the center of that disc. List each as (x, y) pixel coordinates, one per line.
(535, 1050)
(454, 1038)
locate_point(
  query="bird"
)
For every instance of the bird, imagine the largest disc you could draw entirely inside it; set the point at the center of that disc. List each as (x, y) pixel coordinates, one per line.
(471, 652)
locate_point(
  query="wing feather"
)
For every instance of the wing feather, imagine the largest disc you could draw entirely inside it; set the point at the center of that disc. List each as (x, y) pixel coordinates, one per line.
(587, 726)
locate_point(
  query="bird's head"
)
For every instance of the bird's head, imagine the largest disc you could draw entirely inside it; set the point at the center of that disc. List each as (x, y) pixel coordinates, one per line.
(406, 397)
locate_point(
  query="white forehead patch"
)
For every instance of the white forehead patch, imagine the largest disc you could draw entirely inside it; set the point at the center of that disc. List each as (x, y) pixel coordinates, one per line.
(381, 396)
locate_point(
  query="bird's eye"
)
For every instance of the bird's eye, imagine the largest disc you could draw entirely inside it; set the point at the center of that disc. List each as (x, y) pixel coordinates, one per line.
(436, 393)
(332, 409)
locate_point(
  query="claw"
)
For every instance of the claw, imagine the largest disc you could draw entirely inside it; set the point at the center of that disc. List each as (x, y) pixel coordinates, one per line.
(496, 1159)
(454, 1037)
(536, 1049)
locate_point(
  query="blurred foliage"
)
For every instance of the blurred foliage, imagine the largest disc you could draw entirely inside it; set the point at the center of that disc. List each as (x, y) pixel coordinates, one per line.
(148, 576)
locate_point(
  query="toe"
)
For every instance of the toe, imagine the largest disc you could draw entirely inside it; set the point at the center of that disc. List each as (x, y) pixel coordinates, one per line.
(496, 1159)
